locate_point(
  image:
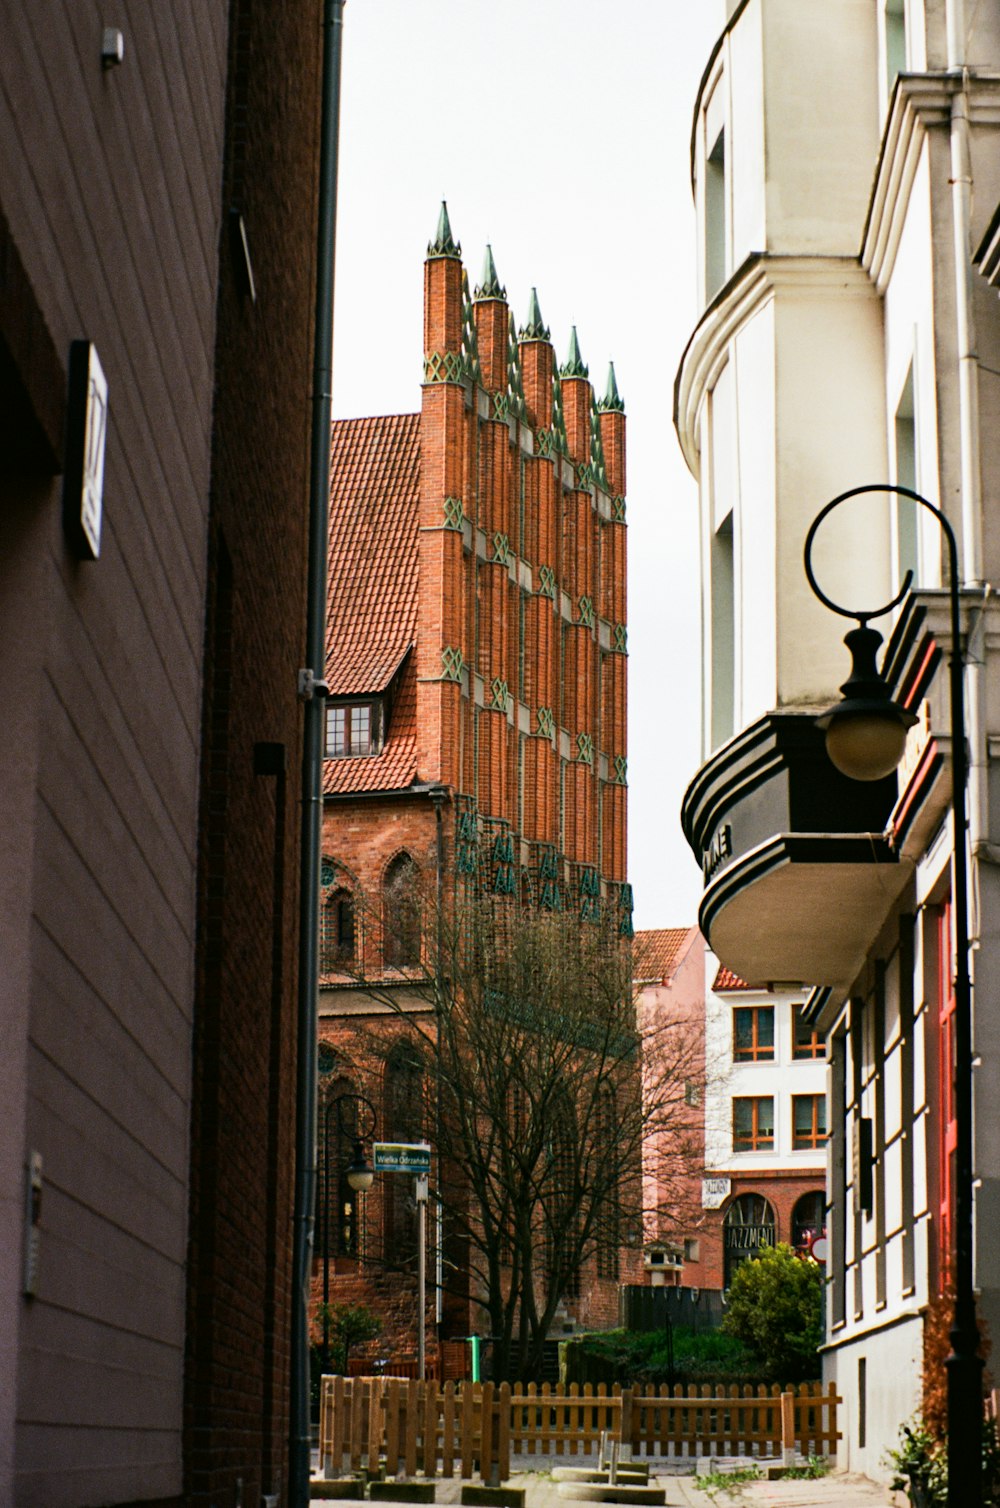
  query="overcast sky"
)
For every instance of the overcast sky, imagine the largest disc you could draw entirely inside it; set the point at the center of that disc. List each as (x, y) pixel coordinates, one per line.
(557, 130)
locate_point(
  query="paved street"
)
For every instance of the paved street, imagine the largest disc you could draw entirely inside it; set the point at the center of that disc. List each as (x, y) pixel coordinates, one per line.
(835, 1491)
(839, 1490)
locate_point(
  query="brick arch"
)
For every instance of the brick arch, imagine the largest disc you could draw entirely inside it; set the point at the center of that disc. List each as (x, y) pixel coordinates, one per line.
(401, 919)
(341, 914)
(747, 1219)
(340, 868)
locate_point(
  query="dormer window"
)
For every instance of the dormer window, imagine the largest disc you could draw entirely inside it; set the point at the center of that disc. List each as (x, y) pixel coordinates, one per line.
(353, 729)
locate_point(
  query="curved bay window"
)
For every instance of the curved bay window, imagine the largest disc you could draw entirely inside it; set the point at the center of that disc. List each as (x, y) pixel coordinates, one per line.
(337, 1202)
(401, 912)
(808, 1220)
(747, 1230)
(404, 1120)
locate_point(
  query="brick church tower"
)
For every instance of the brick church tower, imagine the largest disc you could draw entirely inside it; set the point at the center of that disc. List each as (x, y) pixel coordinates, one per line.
(477, 675)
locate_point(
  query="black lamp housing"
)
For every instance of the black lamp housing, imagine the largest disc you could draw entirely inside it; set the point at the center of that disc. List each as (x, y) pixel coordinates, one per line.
(866, 731)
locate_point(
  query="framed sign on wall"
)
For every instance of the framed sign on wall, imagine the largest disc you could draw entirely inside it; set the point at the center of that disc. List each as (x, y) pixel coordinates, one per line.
(86, 435)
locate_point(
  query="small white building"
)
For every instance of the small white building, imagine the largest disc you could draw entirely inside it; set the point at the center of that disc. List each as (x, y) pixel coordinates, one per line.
(846, 171)
(765, 1120)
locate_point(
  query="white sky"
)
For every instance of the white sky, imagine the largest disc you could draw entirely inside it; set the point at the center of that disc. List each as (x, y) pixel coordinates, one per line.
(557, 130)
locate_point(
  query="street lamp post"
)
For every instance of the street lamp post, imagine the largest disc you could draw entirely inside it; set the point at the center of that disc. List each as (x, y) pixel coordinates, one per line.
(865, 736)
(359, 1175)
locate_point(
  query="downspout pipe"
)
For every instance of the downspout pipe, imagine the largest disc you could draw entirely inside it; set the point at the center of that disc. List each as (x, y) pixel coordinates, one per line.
(312, 688)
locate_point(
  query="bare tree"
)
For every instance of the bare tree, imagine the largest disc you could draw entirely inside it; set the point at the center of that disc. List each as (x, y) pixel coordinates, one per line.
(538, 1098)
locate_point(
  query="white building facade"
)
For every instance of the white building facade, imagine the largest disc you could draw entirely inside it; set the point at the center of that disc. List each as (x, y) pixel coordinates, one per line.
(765, 1122)
(846, 170)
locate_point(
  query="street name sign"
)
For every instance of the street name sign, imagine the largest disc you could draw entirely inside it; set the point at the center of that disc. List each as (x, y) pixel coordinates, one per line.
(401, 1157)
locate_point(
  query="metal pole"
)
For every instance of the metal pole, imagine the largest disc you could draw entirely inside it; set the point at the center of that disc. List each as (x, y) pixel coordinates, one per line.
(964, 1365)
(421, 1193)
(326, 1235)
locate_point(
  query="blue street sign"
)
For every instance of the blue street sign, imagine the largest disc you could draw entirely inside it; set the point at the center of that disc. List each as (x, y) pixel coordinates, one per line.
(401, 1157)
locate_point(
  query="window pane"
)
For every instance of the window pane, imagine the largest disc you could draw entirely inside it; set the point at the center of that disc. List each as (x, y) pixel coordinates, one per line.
(807, 1041)
(336, 741)
(765, 1026)
(361, 730)
(765, 1117)
(743, 1030)
(742, 1117)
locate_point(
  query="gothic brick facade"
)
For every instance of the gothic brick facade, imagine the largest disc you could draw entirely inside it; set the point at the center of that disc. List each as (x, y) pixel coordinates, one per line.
(477, 658)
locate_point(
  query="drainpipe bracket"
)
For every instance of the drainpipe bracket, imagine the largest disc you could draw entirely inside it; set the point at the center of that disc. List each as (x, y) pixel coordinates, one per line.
(311, 686)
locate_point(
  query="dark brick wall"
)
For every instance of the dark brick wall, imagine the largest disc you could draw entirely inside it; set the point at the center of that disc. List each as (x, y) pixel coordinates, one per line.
(239, 1275)
(109, 182)
(115, 192)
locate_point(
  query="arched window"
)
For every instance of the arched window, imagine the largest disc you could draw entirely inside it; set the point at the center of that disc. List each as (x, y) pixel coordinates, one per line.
(808, 1219)
(337, 930)
(401, 912)
(337, 1203)
(748, 1228)
(404, 1121)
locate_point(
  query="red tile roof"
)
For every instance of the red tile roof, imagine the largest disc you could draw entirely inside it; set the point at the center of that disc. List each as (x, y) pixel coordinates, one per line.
(371, 618)
(658, 951)
(725, 979)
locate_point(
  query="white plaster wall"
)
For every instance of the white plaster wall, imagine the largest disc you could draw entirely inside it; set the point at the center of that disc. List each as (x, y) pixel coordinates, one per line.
(752, 359)
(820, 87)
(745, 82)
(782, 1077)
(986, 964)
(894, 1357)
(830, 437)
(909, 337)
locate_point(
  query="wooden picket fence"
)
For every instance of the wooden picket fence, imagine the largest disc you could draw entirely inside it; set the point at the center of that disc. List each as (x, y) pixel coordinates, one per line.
(414, 1427)
(717, 1421)
(473, 1428)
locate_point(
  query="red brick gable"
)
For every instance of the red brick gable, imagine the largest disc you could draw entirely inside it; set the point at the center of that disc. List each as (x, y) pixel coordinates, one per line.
(373, 579)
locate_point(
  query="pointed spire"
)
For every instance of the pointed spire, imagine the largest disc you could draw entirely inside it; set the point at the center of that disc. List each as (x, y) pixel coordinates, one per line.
(515, 381)
(611, 403)
(489, 286)
(535, 328)
(443, 244)
(573, 365)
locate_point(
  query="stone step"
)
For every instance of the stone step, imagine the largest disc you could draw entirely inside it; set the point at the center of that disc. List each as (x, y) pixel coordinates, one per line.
(402, 1492)
(631, 1474)
(621, 1492)
(493, 1497)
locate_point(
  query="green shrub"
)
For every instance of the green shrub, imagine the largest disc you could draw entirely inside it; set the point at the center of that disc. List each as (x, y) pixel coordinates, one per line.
(657, 1356)
(776, 1309)
(921, 1464)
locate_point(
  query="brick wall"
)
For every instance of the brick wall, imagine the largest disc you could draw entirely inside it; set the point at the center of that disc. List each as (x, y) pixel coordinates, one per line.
(239, 1272)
